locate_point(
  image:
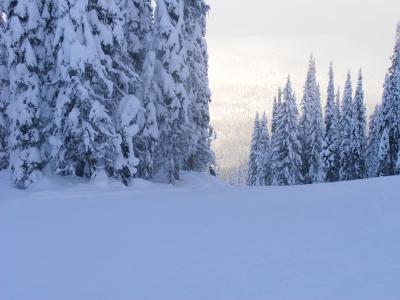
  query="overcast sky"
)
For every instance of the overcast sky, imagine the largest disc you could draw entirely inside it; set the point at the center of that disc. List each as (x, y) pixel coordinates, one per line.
(352, 33)
(353, 18)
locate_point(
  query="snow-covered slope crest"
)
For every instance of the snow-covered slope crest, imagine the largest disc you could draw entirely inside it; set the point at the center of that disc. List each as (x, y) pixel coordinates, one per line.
(63, 240)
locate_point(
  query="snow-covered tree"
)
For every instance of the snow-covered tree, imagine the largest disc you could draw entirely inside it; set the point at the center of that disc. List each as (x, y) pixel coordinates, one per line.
(330, 153)
(390, 140)
(89, 86)
(4, 94)
(253, 166)
(374, 134)
(338, 107)
(171, 74)
(200, 155)
(274, 116)
(133, 87)
(138, 42)
(347, 127)
(275, 142)
(264, 160)
(286, 152)
(25, 37)
(259, 165)
(360, 140)
(311, 129)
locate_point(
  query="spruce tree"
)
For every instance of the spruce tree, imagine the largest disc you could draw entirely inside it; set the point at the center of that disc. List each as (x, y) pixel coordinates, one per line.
(138, 35)
(338, 108)
(311, 129)
(274, 116)
(275, 146)
(374, 134)
(4, 95)
(89, 88)
(360, 140)
(171, 74)
(390, 140)
(25, 35)
(330, 153)
(264, 159)
(287, 147)
(200, 155)
(347, 127)
(253, 164)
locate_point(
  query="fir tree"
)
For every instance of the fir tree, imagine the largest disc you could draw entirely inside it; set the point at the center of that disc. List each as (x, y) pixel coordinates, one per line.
(253, 164)
(25, 35)
(264, 158)
(138, 35)
(360, 140)
(84, 137)
(347, 127)
(330, 153)
(311, 129)
(200, 155)
(287, 148)
(171, 74)
(338, 108)
(135, 115)
(390, 140)
(374, 133)
(274, 116)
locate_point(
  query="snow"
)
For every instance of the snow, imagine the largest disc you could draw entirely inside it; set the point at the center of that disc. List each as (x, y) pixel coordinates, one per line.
(201, 239)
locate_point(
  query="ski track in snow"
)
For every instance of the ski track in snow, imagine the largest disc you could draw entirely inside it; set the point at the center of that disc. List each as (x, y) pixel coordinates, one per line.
(67, 239)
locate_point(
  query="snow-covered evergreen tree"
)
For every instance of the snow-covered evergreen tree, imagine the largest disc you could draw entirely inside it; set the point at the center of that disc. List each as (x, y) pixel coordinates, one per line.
(274, 116)
(171, 74)
(90, 86)
(138, 35)
(264, 159)
(25, 37)
(200, 155)
(311, 129)
(347, 127)
(4, 95)
(253, 163)
(259, 165)
(390, 140)
(360, 140)
(286, 152)
(338, 107)
(374, 134)
(275, 146)
(330, 153)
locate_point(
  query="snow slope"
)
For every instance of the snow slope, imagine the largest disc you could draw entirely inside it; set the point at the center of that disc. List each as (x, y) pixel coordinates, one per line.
(65, 240)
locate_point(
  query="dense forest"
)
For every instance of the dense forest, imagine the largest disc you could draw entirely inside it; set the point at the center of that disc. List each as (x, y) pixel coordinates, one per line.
(89, 86)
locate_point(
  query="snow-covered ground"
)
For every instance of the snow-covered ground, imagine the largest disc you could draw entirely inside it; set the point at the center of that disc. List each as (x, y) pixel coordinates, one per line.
(64, 240)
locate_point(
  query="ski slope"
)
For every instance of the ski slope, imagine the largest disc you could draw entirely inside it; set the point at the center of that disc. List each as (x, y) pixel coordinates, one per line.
(69, 240)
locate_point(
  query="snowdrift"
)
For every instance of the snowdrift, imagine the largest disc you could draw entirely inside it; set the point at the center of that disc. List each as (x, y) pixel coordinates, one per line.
(202, 239)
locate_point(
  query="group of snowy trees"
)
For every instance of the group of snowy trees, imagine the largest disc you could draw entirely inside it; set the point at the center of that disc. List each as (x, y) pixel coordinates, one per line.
(309, 148)
(88, 86)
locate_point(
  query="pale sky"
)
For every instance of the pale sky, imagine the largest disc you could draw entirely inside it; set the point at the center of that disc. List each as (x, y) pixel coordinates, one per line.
(255, 44)
(358, 19)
